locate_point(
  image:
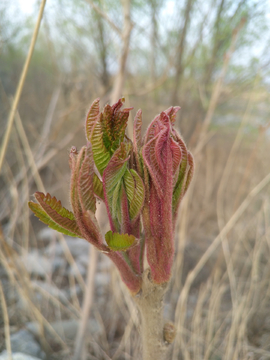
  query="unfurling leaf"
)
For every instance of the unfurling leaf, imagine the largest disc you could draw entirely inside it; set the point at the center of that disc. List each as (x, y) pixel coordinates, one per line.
(98, 187)
(144, 180)
(179, 186)
(91, 118)
(135, 193)
(119, 242)
(137, 129)
(171, 112)
(166, 159)
(52, 213)
(112, 182)
(86, 188)
(100, 153)
(114, 122)
(106, 132)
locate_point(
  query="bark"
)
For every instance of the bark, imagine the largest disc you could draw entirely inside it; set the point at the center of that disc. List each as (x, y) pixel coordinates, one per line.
(150, 304)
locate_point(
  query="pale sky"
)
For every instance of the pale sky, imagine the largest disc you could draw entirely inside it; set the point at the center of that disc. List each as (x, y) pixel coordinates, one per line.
(27, 6)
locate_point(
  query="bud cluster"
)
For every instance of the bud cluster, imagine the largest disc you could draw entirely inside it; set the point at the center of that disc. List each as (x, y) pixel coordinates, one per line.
(141, 183)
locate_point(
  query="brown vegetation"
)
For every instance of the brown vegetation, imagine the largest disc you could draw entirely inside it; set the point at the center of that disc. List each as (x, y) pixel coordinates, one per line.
(219, 297)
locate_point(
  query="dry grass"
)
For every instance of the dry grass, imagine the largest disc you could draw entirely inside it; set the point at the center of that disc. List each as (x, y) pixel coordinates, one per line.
(219, 296)
(221, 310)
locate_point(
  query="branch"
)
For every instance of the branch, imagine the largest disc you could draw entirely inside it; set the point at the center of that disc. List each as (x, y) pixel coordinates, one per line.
(217, 89)
(119, 81)
(106, 17)
(180, 50)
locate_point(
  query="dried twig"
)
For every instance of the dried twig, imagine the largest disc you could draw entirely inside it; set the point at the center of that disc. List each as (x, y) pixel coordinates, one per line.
(181, 304)
(6, 322)
(87, 303)
(20, 85)
(28, 152)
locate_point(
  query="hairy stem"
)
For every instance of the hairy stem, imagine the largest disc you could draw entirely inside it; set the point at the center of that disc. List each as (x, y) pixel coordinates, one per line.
(150, 303)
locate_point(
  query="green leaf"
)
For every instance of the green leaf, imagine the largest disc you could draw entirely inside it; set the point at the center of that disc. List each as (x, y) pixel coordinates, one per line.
(112, 180)
(100, 153)
(116, 169)
(91, 118)
(129, 185)
(51, 203)
(107, 133)
(119, 242)
(40, 213)
(52, 213)
(190, 171)
(138, 199)
(115, 201)
(98, 187)
(179, 188)
(135, 192)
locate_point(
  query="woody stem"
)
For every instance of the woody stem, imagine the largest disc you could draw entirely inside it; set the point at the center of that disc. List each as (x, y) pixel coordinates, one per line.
(150, 304)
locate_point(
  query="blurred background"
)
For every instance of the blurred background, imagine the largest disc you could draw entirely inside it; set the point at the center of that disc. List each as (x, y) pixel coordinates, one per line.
(211, 58)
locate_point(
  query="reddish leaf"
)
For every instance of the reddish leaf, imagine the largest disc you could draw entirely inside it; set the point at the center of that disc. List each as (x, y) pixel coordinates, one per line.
(86, 182)
(137, 129)
(91, 118)
(56, 212)
(171, 112)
